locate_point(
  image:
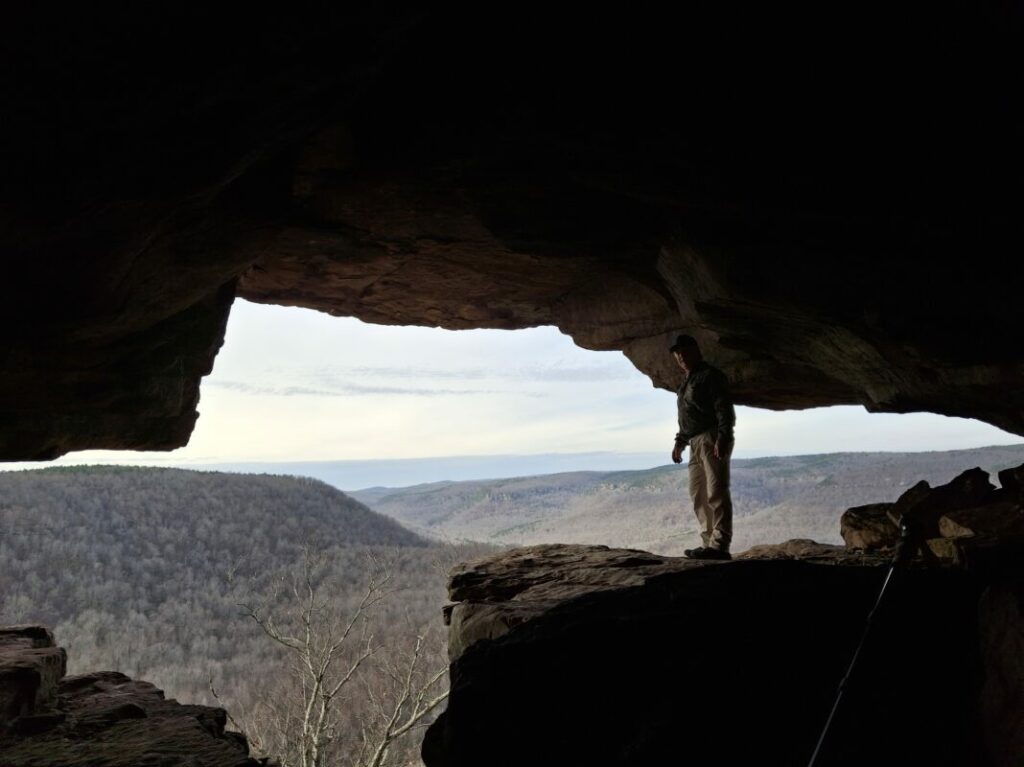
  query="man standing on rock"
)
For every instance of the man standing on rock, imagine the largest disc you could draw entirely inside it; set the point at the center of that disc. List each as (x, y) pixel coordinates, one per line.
(706, 421)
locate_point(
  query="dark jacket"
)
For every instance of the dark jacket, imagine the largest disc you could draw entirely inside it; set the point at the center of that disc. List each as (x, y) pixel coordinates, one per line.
(705, 404)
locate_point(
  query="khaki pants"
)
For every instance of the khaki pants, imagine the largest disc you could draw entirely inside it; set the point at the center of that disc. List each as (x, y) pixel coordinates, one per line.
(709, 491)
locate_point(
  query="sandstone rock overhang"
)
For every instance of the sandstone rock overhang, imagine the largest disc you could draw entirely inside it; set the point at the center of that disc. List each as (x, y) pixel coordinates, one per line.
(828, 199)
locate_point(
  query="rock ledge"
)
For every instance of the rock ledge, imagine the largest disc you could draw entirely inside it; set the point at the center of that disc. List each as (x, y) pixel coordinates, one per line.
(103, 718)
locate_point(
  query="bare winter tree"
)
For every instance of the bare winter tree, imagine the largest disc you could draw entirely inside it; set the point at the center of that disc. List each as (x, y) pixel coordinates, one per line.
(405, 694)
(347, 696)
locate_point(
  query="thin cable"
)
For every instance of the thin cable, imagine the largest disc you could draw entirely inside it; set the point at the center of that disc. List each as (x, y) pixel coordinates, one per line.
(903, 552)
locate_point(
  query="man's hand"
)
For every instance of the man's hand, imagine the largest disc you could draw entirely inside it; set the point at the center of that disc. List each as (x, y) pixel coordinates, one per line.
(677, 452)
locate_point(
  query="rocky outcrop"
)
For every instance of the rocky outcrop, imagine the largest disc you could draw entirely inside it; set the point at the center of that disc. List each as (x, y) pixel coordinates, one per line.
(948, 521)
(103, 718)
(859, 247)
(494, 595)
(811, 551)
(586, 655)
(589, 655)
(869, 527)
(31, 665)
(924, 506)
(996, 519)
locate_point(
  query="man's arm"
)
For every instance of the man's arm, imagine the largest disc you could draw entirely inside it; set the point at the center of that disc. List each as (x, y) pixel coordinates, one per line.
(725, 415)
(681, 439)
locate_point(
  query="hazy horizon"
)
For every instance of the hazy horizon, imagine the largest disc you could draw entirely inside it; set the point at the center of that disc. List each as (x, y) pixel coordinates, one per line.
(357, 475)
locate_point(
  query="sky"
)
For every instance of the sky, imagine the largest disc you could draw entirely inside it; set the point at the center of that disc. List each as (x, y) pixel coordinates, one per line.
(292, 385)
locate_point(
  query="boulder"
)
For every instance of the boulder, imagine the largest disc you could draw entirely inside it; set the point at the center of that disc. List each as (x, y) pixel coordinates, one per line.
(924, 505)
(946, 550)
(31, 665)
(1005, 517)
(869, 527)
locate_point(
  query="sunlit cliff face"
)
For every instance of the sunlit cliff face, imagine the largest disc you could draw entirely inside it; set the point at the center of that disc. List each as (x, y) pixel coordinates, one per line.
(775, 194)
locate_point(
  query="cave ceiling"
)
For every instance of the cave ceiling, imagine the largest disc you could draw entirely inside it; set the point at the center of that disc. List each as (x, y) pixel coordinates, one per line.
(829, 202)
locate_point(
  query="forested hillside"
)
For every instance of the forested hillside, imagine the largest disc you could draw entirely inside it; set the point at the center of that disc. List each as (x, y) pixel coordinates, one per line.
(153, 571)
(144, 571)
(775, 499)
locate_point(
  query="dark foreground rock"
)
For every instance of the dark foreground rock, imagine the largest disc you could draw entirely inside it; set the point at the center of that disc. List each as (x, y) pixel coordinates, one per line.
(1002, 646)
(589, 656)
(104, 718)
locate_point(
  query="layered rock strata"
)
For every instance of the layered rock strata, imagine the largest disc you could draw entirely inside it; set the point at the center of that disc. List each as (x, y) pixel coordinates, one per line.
(52, 720)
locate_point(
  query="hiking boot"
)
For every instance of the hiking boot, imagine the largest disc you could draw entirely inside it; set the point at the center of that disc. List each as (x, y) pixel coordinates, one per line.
(707, 553)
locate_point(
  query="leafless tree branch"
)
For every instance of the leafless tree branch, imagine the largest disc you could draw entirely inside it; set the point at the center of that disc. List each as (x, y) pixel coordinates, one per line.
(329, 650)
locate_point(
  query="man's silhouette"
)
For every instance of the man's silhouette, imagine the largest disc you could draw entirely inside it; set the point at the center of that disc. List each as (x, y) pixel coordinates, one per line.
(706, 421)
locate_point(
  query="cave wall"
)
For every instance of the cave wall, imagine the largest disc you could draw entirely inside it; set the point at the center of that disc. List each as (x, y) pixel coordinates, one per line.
(826, 197)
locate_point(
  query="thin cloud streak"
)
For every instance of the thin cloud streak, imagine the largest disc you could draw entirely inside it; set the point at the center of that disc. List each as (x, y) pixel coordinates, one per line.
(580, 374)
(343, 390)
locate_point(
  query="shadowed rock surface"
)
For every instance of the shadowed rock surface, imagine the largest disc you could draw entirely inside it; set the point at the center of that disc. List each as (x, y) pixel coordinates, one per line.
(586, 655)
(1002, 648)
(495, 594)
(103, 718)
(834, 227)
